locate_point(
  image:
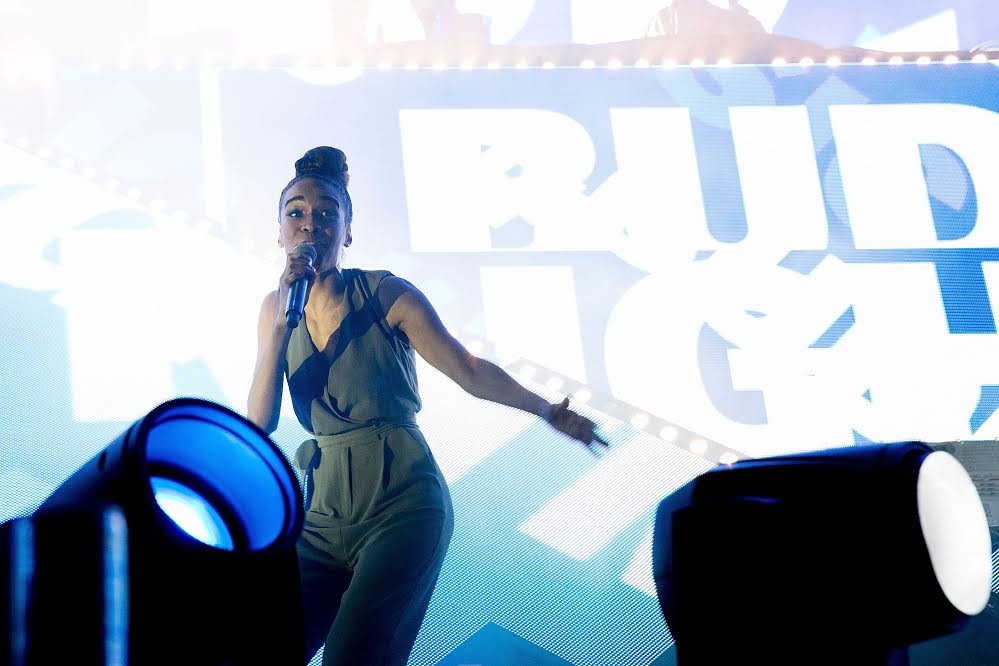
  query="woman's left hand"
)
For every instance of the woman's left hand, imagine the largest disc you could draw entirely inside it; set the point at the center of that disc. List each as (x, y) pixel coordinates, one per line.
(574, 425)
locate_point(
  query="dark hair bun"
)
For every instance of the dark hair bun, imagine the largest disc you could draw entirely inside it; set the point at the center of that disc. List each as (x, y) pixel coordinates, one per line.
(324, 161)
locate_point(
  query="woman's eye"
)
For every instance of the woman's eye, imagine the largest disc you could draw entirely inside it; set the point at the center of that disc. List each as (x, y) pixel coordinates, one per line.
(328, 214)
(294, 213)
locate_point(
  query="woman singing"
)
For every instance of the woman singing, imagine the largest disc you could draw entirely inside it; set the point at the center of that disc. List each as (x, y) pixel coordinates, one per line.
(379, 514)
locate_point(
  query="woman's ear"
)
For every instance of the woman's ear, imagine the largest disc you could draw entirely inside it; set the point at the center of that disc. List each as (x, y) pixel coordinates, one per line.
(347, 239)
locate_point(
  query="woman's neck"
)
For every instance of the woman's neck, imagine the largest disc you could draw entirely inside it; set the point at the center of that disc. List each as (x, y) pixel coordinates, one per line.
(327, 292)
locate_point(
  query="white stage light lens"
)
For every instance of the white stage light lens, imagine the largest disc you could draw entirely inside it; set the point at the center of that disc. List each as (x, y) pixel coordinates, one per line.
(956, 532)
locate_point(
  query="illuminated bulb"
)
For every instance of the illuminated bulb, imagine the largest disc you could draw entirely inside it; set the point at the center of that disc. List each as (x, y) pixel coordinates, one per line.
(521, 64)
(668, 63)
(67, 163)
(640, 420)
(384, 66)
(728, 458)
(724, 62)
(951, 60)
(89, 173)
(923, 60)
(44, 153)
(697, 62)
(869, 60)
(467, 65)
(641, 63)
(833, 61)
(779, 62)
(111, 183)
(134, 193)
(806, 62)
(181, 215)
(357, 64)
(412, 65)
(527, 371)
(669, 433)
(587, 64)
(493, 64)
(979, 58)
(548, 65)
(614, 63)
(698, 446)
(475, 347)
(439, 66)
(157, 204)
(895, 60)
(22, 143)
(583, 395)
(555, 384)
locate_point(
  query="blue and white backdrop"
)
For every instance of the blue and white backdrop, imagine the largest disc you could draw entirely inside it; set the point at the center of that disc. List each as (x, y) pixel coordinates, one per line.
(764, 259)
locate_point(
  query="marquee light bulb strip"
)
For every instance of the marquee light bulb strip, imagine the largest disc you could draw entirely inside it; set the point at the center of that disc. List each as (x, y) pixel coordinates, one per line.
(38, 72)
(540, 378)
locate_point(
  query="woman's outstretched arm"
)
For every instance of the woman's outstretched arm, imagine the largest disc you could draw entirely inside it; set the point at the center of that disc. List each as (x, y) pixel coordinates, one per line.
(410, 311)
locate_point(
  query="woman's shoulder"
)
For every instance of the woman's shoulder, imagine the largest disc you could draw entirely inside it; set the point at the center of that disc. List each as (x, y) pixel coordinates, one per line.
(371, 278)
(384, 285)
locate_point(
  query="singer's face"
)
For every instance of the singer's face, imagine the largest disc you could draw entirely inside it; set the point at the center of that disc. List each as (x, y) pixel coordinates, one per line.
(310, 214)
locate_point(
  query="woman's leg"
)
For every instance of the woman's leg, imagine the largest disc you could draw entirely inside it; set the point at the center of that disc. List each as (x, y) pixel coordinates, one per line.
(323, 582)
(396, 570)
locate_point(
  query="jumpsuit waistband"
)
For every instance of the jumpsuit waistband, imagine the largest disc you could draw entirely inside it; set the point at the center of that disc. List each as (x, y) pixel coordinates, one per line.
(359, 435)
(309, 453)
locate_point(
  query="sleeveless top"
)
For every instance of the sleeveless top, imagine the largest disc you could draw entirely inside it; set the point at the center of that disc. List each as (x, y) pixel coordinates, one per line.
(365, 376)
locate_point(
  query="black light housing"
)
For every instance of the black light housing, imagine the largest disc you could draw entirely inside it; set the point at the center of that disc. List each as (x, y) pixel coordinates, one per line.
(837, 556)
(213, 512)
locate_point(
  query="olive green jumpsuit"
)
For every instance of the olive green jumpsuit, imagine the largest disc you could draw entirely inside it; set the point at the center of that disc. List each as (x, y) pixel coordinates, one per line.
(378, 513)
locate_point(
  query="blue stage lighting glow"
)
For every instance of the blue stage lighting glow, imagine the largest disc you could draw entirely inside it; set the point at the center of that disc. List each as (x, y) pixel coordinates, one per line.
(234, 469)
(192, 513)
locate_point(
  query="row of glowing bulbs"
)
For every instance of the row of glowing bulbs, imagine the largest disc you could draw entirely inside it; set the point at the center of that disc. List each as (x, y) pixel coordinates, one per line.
(669, 63)
(639, 419)
(133, 194)
(469, 64)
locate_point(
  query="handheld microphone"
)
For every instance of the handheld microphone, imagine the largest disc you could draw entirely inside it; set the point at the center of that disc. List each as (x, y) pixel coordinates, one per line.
(300, 287)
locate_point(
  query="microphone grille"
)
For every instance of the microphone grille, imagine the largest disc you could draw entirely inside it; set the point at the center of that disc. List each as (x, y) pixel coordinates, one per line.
(307, 250)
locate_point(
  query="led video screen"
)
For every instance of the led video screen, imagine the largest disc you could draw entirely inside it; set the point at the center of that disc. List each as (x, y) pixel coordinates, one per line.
(711, 262)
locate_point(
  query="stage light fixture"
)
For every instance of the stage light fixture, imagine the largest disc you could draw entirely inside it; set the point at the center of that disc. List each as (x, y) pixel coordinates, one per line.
(64, 582)
(213, 511)
(844, 556)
